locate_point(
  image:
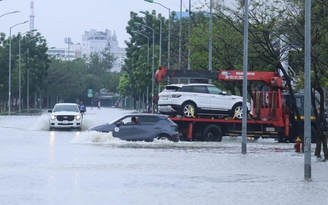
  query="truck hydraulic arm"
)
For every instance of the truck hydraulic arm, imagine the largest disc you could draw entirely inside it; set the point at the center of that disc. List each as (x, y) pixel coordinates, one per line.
(270, 78)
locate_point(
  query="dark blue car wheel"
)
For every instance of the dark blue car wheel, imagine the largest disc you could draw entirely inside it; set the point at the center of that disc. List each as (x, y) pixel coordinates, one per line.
(163, 137)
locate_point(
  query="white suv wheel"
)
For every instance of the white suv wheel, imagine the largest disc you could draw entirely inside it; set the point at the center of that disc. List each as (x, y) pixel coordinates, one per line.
(189, 110)
(237, 111)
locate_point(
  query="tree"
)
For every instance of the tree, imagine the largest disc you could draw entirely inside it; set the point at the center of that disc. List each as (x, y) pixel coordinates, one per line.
(65, 80)
(137, 71)
(319, 53)
(33, 57)
(71, 79)
(277, 29)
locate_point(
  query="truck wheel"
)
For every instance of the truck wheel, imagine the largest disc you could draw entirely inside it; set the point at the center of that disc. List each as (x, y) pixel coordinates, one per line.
(314, 135)
(237, 111)
(212, 133)
(188, 109)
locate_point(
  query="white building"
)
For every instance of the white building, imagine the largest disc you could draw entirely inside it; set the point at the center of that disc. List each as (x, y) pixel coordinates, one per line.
(71, 52)
(97, 41)
(92, 41)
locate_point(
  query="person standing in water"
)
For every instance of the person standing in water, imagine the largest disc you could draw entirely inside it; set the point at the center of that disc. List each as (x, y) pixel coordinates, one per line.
(82, 108)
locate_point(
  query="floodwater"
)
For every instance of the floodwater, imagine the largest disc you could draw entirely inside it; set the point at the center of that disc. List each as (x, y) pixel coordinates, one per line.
(38, 166)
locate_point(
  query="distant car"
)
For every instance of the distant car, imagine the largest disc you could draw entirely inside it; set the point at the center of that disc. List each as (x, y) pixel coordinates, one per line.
(147, 127)
(197, 99)
(65, 115)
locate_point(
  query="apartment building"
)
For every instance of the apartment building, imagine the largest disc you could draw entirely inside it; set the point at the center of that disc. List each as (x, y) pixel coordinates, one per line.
(97, 41)
(92, 41)
(71, 52)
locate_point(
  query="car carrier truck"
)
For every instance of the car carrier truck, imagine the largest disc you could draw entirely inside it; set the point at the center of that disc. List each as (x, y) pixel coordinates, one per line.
(271, 115)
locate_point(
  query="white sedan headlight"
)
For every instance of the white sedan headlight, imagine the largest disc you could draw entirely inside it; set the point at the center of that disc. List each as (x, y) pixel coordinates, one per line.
(78, 117)
(53, 117)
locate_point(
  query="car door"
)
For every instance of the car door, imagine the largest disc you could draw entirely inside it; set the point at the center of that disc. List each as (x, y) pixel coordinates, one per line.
(126, 130)
(201, 96)
(149, 127)
(219, 100)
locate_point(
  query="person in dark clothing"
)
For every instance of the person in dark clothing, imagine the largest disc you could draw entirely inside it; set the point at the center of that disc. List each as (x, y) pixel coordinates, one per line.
(134, 120)
(99, 105)
(82, 107)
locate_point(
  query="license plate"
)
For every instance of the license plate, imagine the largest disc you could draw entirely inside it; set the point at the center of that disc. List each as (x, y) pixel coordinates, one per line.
(65, 121)
(164, 98)
(270, 129)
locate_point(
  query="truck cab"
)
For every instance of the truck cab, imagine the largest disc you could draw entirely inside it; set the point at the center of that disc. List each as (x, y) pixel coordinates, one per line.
(300, 103)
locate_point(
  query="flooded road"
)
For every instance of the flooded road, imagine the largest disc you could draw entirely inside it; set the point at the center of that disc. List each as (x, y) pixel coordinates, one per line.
(38, 166)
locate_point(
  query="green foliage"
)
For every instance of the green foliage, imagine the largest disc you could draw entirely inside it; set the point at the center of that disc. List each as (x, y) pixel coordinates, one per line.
(275, 30)
(33, 57)
(68, 80)
(124, 85)
(111, 81)
(71, 79)
(139, 63)
(99, 63)
(65, 79)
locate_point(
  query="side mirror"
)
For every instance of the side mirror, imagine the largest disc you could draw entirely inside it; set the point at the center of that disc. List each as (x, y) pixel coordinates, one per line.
(224, 93)
(50, 111)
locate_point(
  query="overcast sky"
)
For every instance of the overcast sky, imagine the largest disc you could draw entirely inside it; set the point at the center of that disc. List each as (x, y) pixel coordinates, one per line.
(59, 19)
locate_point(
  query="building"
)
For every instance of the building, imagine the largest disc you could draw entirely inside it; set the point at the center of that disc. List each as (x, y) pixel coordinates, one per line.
(71, 52)
(97, 41)
(92, 41)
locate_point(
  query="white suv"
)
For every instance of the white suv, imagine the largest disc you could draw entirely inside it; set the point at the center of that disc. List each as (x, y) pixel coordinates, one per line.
(191, 100)
(65, 115)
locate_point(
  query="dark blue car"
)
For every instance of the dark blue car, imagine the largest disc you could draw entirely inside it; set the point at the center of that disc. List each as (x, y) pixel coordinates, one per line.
(141, 127)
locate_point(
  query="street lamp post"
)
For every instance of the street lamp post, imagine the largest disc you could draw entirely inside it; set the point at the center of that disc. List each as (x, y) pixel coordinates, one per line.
(153, 68)
(9, 13)
(28, 78)
(9, 76)
(136, 32)
(169, 38)
(160, 45)
(35, 94)
(28, 82)
(189, 38)
(210, 41)
(180, 38)
(160, 52)
(20, 78)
